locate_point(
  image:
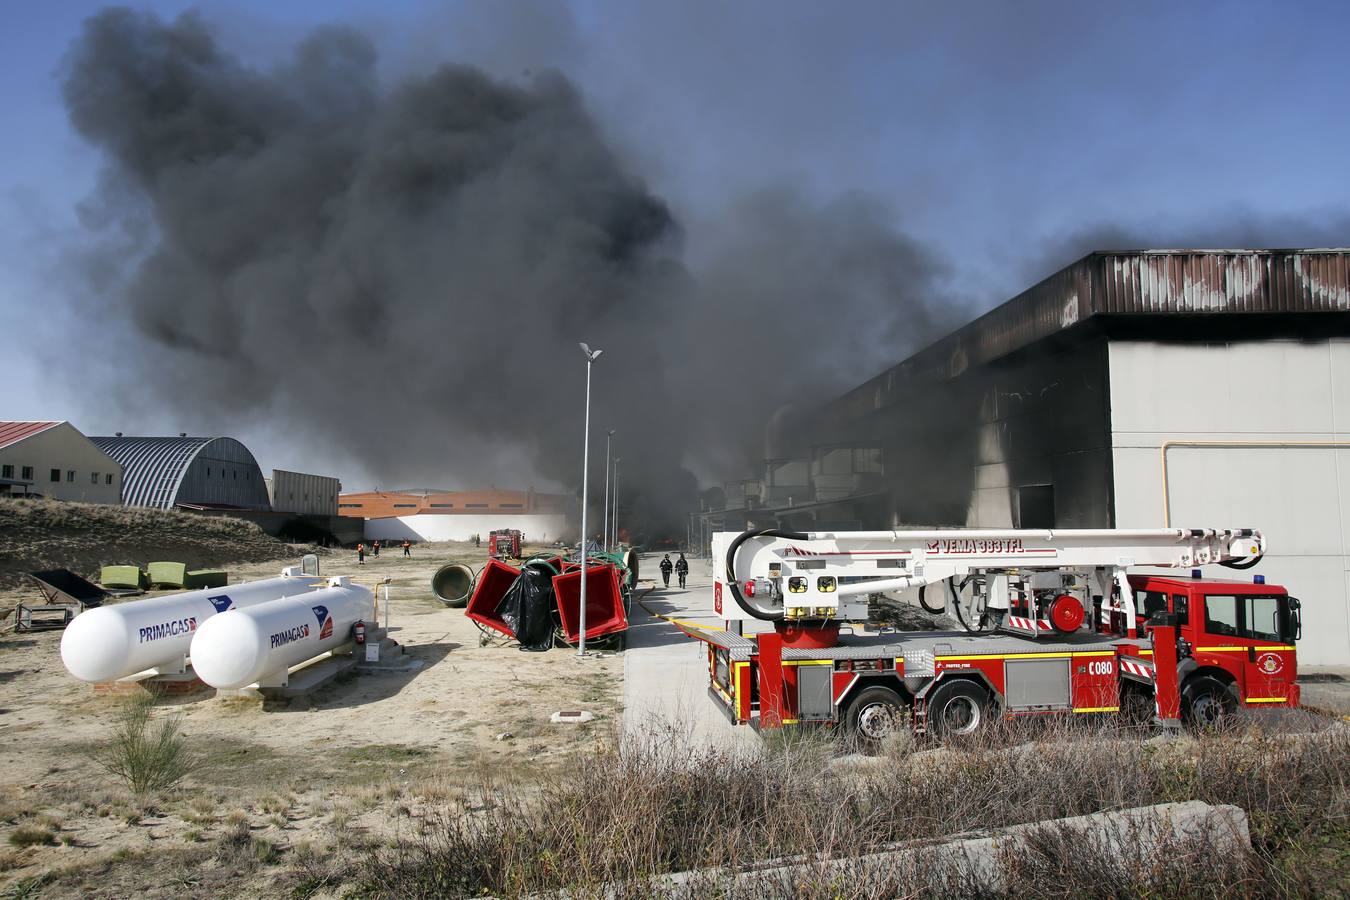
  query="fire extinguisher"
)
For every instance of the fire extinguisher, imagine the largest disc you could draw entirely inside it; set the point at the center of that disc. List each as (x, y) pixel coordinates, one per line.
(359, 633)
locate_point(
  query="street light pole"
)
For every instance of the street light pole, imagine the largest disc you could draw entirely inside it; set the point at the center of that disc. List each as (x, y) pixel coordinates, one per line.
(591, 356)
(614, 519)
(609, 436)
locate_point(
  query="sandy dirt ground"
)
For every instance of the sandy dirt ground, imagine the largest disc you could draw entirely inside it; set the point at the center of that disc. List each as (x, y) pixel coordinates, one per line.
(288, 770)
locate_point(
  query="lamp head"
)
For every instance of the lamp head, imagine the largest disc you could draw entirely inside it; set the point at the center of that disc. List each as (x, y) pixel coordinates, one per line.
(591, 355)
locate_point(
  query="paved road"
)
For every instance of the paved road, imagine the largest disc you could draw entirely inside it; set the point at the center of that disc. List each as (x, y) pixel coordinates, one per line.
(666, 673)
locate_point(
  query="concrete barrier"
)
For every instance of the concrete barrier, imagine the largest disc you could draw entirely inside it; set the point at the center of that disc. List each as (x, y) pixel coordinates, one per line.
(980, 861)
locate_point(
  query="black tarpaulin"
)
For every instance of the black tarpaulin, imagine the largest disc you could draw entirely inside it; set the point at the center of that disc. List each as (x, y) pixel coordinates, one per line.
(527, 609)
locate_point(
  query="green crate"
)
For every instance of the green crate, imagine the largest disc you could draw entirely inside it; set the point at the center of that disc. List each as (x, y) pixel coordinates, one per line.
(167, 574)
(206, 578)
(128, 577)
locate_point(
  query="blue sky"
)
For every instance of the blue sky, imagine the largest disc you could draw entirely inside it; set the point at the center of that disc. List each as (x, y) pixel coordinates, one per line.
(1003, 135)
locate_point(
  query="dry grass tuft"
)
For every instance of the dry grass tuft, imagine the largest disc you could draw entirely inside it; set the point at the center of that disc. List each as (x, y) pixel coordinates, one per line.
(618, 819)
(148, 758)
(32, 835)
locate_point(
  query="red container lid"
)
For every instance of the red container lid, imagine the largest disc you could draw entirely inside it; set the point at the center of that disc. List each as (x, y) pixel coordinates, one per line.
(493, 583)
(604, 602)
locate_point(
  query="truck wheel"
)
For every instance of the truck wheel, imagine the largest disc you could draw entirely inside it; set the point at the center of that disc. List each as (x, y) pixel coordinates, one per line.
(1136, 706)
(1206, 702)
(957, 707)
(873, 715)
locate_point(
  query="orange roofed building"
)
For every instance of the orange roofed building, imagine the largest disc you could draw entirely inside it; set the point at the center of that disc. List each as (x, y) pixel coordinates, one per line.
(458, 515)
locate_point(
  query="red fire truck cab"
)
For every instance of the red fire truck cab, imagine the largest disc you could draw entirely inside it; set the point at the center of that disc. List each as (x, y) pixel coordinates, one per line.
(1236, 640)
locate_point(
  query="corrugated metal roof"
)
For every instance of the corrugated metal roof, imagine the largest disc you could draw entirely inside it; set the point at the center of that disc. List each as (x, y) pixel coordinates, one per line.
(1220, 281)
(1129, 284)
(13, 432)
(152, 467)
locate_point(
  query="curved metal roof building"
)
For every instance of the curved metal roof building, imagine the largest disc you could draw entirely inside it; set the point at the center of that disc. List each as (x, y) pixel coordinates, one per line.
(162, 472)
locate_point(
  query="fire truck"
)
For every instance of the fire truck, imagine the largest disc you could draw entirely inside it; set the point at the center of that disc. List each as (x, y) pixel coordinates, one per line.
(1050, 621)
(504, 543)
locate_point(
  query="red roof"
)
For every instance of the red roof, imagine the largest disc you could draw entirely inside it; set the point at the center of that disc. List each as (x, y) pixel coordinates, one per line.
(13, 432)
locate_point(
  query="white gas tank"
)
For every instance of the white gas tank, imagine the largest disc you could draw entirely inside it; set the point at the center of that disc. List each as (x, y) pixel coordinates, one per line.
(121, 639)
(244, 646)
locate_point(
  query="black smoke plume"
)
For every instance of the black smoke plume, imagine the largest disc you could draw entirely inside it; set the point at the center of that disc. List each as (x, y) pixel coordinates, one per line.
(403, 270)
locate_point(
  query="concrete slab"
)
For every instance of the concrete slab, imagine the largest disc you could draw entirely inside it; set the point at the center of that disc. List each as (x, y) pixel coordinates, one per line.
(666, 673)
(310, 677)
(1118, 837)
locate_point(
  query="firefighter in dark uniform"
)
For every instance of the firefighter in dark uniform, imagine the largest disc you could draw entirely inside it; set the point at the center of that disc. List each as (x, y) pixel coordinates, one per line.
(666, 566)
(682, 569)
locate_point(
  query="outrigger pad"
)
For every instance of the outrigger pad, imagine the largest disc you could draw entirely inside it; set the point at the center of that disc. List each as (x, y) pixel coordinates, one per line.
(604, 603)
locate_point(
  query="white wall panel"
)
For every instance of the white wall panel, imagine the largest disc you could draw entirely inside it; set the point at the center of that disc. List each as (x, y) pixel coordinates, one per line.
(1279, 386)
(1298, 496)
(432, 527)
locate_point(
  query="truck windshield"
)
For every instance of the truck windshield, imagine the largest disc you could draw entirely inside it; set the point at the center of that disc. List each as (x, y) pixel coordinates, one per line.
(1261, 618)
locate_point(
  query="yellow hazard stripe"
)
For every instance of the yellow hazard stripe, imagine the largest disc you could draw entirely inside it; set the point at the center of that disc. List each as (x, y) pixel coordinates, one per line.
(1027, 655)
(687, 624)
(1092, 709)
(1244, 649)
(808, 662)
(1267, 699)
(681, 622)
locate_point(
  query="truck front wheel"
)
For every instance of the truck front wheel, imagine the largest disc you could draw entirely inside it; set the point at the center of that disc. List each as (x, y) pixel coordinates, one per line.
(1206, 702)
(957, 707)
(874, 715)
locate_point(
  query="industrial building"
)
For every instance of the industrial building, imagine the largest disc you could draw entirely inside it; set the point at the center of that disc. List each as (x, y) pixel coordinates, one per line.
(298, 492)
(164, 472)
(53, 459)
(1128, 390)
(459, 515)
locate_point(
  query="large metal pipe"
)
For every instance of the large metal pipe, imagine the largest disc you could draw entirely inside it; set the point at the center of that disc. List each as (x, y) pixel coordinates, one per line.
(630, 562)
(453, 584)
(260, 644)
(121, 639)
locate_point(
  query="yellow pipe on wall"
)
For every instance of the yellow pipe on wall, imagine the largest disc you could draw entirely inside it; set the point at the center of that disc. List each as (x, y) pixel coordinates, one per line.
(1167, 445)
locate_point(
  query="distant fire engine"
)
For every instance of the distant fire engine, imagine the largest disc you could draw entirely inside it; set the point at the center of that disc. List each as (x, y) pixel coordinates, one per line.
(504, 543)
(1051, 621)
